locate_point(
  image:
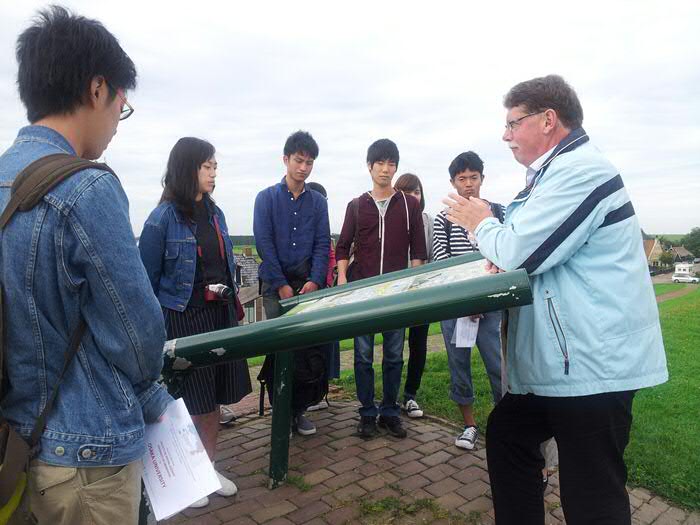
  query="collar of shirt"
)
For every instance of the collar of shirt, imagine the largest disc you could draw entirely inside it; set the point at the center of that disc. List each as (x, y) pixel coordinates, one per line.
(283, 182)
(535, 166)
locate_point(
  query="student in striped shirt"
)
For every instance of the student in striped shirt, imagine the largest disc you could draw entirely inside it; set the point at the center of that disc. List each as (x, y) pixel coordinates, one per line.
(451, 240)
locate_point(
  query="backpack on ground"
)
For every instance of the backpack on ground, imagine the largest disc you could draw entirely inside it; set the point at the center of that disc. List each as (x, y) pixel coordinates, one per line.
(28, 188)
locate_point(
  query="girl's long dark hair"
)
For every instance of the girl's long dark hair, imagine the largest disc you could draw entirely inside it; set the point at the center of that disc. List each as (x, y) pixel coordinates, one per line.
(410, 182)
(181, 182)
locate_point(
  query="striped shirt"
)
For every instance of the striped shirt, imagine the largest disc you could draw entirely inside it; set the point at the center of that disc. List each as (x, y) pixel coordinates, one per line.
(451, 240)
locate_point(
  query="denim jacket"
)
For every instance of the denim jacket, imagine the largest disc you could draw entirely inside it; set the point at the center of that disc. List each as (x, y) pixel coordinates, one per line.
(169, 252)
(73, 255)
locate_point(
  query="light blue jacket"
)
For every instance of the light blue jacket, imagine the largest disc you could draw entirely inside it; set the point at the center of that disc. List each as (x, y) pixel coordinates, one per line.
(593, 326)
(74, 254)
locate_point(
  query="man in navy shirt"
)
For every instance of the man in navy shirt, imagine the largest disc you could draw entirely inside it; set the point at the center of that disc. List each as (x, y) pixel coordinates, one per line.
(292, 236)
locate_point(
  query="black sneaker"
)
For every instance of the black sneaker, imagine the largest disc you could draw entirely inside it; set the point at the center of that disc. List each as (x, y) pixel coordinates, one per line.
(367, 427)
(393, 425)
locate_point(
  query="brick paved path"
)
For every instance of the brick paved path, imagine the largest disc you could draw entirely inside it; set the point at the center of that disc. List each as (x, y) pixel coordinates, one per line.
(338, 478)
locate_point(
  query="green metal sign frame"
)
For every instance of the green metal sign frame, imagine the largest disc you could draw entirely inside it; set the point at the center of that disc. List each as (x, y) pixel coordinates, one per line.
(299, 330)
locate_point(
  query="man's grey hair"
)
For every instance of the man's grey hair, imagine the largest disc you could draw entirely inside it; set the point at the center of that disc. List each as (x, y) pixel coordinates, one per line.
(550, 92)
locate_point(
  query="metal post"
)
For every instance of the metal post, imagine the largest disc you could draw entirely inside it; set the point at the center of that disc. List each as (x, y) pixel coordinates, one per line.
(281, 418)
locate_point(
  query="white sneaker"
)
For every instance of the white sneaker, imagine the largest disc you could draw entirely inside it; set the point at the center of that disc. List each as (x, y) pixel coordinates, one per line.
(412, 409)
(467, 439)
(226, 415)
(228, 487)
(322, 405)
(200, 503)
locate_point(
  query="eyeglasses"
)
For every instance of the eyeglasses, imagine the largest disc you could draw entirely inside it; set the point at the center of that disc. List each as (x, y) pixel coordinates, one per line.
(512, 124)
(127, 109)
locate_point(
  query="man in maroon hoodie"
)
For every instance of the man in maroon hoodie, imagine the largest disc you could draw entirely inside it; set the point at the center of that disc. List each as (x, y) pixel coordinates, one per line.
(386, 229)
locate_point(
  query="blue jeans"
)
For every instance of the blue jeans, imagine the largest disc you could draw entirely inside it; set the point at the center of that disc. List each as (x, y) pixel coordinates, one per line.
(488, 340)
(392, 364)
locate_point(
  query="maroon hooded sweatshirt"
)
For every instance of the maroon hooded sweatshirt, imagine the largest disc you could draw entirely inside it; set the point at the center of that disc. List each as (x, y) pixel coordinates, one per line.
(384, 245)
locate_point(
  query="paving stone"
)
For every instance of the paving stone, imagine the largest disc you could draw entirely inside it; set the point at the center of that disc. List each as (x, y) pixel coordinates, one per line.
(410, 468)
(464, 460)
(346, 442)
(308, 512)
(450, 501)
(350, 492)
(693, 519)
(237, 510)
(379, 453)
(413, 482)
(480, 504)
(437, 458)
(371, 468)
(318, 476)
(429, 448)
(374, 444)
(439, 472)
(470, 474)
(243, 520)
(343, 515)
(376, 482)
(343, 479)
(647, 513)
(274, 511)
(206, 519)
(347, 452)
(443, 487)
(406, 444)
(404, 457)
(428, 436)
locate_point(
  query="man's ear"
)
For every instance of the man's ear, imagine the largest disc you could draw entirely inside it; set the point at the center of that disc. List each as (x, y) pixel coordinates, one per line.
(550, 120)
(98, 90)
(285, 159)
(369, 166)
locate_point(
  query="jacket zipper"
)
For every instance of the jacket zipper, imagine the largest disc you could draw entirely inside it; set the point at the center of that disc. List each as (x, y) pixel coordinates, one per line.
(557, 331)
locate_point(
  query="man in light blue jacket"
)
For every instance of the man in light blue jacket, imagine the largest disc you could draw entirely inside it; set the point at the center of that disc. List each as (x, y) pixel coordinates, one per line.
(591, 338)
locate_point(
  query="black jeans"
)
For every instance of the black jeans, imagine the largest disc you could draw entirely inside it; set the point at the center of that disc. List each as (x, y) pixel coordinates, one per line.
(591, 433)
(417, 348)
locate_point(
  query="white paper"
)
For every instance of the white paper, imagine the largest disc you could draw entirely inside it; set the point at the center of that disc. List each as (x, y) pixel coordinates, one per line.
(176, 468)
(465, 332)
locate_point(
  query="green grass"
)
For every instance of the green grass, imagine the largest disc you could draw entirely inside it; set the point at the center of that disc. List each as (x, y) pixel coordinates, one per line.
(239, 249)
(660, 289)
(664, 450)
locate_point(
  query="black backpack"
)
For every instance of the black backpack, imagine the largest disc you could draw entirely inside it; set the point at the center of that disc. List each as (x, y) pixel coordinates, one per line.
(310, 378)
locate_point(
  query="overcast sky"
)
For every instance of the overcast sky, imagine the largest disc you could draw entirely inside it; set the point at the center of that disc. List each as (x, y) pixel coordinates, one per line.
(431, 76)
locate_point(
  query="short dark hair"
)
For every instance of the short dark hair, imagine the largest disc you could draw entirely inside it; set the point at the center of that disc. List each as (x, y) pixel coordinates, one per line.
(466, 161)
(317, 187)
(410, 182)
(301, 142)
(382, 149)
(59, 55)
(550, 92)
(181, 179)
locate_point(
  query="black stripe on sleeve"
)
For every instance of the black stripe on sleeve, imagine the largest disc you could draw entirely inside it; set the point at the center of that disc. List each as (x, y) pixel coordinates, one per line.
(571, 223)
(623, 212)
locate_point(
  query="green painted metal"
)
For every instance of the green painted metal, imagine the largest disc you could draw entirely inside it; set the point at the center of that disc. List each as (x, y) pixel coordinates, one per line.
(299, 330)
(288, 304)
(281, 418)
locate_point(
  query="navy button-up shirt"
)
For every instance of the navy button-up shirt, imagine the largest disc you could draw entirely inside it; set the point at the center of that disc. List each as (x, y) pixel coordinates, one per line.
(289, 230)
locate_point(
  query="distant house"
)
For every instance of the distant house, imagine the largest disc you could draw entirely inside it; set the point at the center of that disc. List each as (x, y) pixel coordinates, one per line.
(681, 254)
(249, 294)
(653, 250)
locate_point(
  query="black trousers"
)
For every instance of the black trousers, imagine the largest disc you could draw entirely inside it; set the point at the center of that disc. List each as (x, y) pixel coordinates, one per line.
(591, 433)
(417, 349)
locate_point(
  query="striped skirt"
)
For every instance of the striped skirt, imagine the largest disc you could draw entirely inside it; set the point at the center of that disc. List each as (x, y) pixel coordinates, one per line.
(205, 388)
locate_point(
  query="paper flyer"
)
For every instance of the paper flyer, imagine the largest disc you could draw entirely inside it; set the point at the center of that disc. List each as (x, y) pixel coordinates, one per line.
(465, 332)
(176, 468)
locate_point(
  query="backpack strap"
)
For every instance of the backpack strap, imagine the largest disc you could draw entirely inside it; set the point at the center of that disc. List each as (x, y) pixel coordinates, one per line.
(39, 177)
(497, 211)
(28, 188)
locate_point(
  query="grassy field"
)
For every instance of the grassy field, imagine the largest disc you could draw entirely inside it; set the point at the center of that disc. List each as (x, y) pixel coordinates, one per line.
(662, 288)
(664, 451)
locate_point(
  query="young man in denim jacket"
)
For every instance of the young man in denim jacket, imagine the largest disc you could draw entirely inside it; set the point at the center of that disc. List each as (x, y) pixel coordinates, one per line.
(292, 237)
(74, 255)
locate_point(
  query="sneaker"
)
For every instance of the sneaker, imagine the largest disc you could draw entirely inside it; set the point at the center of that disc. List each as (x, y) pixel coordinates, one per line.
(367, 427)
(393, 425)
(228, 487)
(467, 439)
(303, 426)
(412, 409)
(226, 415)
(203, 502)
(321, 406)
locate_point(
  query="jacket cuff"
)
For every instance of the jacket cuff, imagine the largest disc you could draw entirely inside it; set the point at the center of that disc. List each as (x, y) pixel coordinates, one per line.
(484, 223)
(154, 401)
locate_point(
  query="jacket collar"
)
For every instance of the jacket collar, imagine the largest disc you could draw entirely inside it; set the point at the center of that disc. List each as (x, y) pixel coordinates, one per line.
(569, 143)
(46, 135)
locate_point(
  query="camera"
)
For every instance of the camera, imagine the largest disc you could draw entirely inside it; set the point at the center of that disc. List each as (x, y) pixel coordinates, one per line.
(218, 292)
